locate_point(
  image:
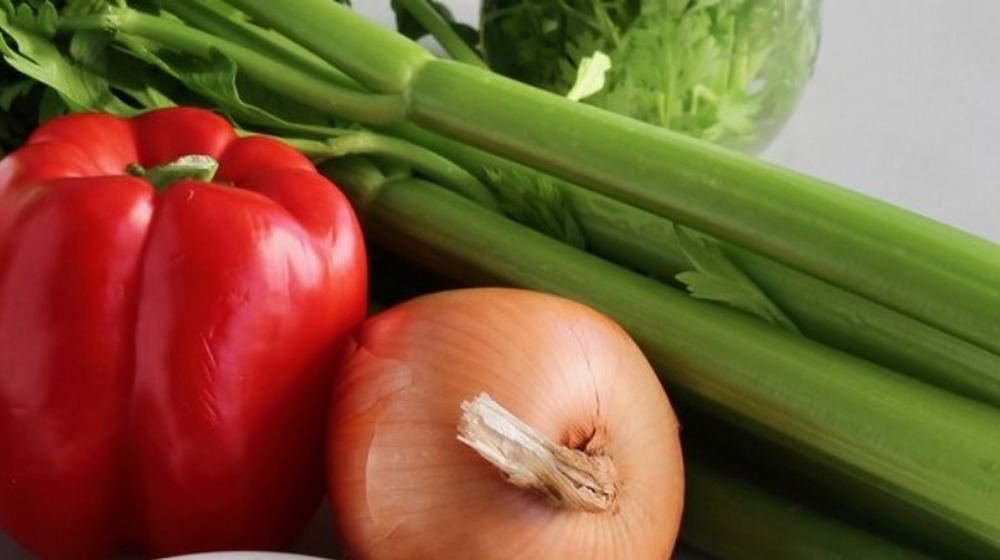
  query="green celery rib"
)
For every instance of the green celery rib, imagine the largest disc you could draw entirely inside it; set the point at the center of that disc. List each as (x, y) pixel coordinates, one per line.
(207, 17)
(647, 243)
(365, 50)
(897, 436)
(440, 28)
(821, 310)
(732, 513)
(769, 461)
(915, 265)
(919, 267)
(427, 162)
(315, 91)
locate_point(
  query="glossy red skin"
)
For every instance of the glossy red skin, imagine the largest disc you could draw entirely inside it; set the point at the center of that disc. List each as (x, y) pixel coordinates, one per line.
(165, 356)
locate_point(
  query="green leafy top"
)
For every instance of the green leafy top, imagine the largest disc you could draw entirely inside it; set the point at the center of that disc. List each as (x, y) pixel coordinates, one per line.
(714, 277)
(536, 201)
(728, 71)
(101, 70)
(30, 57)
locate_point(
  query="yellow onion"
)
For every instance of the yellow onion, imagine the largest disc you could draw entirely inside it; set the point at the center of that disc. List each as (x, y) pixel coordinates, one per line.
(499, 423)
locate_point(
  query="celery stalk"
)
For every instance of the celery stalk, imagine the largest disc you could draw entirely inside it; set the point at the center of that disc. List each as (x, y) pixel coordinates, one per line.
(915, 265)
(329, 91)
(734, 513)
(441, 30)
(919, 267)
(206, 17)
(647, 243)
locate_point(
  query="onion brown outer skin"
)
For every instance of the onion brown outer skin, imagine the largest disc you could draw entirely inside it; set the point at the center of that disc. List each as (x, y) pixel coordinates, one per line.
(402, 485)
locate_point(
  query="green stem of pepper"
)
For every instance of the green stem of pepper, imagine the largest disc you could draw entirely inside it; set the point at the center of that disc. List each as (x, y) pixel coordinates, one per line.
(193, 167)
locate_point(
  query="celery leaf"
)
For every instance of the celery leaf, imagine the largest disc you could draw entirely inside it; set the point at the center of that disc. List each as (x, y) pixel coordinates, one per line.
(535, 201)
(590, 76)
(215, 78)
(27, 44)
(716, 278)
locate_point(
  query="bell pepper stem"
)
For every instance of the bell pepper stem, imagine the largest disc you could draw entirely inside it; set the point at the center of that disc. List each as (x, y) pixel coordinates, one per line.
(195, 167)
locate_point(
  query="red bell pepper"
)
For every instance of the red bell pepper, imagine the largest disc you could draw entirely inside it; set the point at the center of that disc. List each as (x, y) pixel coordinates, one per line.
(165, 352)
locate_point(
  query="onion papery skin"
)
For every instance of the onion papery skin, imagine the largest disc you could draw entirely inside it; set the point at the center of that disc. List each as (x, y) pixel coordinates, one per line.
(403, 487)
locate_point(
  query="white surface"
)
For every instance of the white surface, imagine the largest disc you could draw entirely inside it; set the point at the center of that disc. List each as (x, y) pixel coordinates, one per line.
(902, 106)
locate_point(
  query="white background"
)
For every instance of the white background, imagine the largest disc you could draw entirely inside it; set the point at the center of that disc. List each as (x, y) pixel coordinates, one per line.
(903, 106)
